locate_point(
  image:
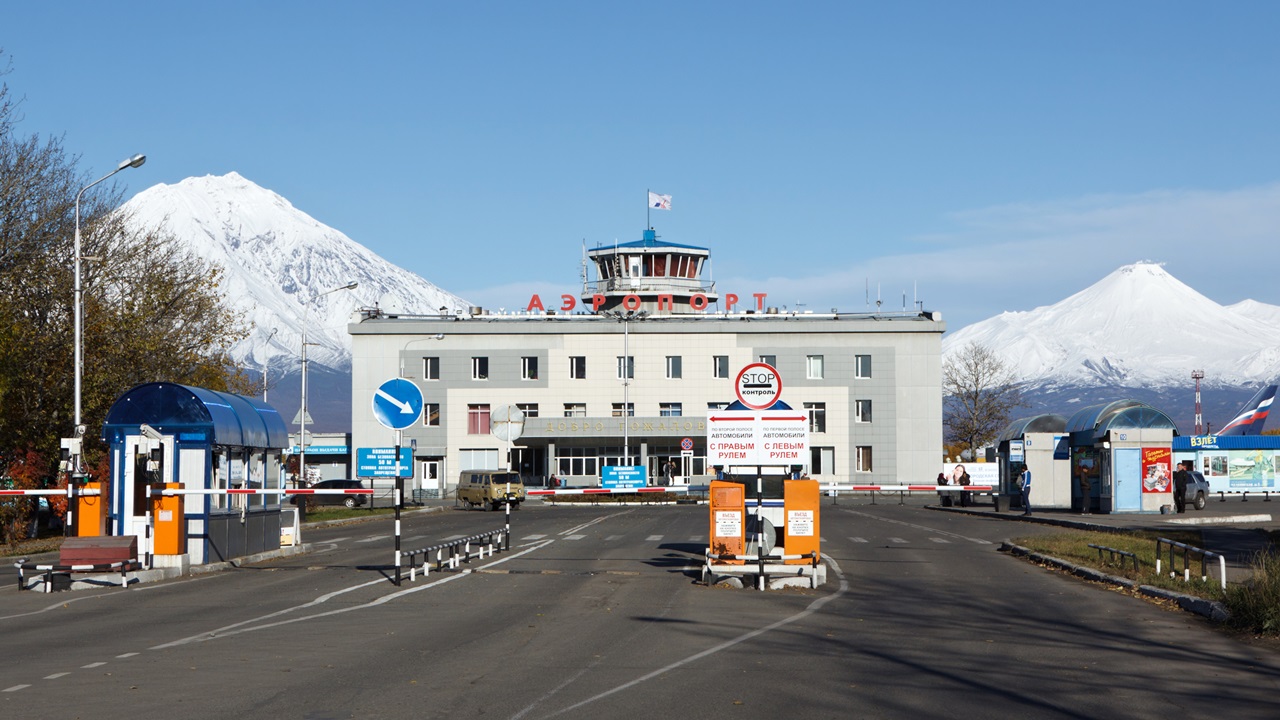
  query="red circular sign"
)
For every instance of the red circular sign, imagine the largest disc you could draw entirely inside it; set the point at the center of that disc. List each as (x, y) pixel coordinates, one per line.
(758, 386)
(686, 444)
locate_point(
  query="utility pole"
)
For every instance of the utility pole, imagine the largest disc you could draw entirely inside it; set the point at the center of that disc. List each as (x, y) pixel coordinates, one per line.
(1197, 375)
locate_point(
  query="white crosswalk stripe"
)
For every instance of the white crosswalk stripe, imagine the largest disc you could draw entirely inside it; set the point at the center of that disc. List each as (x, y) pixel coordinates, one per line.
(899, 540)
(575, 537)
(940, 540)
(857, 539)
(654, 538)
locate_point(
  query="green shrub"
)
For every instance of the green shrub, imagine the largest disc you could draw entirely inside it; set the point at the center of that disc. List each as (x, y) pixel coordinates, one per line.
(1255, 604)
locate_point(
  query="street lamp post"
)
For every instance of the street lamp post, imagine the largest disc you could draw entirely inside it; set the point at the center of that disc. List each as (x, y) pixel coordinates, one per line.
(76, 465)
(265, 361)
(302, 412)
(626, 369)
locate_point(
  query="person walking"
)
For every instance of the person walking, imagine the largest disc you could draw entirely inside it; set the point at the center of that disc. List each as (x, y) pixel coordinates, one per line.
(943, 496)
(1024, 487)
(670, 471)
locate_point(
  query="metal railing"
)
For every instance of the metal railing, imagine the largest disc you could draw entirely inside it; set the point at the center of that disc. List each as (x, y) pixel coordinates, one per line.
(458, 551)
(1114, 552)
(1187, 551)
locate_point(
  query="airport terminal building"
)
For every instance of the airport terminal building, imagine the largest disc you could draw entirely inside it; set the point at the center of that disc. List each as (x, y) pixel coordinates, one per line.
(626, 371)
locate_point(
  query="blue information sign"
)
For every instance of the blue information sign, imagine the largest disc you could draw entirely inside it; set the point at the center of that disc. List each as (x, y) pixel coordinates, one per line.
(381, 462)
(624, 476)
(397, 403)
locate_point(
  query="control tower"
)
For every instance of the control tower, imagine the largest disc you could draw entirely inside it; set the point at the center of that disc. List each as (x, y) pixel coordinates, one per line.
(665, 277)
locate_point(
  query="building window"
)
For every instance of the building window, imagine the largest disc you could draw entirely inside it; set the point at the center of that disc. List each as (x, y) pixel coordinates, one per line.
(670, 409)
(862, 411)
(530, 410)
(431, 414)
(721, 366)
(817, 413)
(430, 368)
(477, 420)
(578, 367)
(862, 366)
(822, 461)
(815, 371)
(577, 461)
(864, 459)
(713, 406)
(770, 360)
(529, 368)
(631, 410)
(575, 409)
(479, 368)
(626, 367)
(478, 459)
(674, 367)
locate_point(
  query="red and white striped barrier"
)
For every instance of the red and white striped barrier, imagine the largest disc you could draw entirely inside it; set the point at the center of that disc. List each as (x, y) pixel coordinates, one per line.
(264, 491)
(68, 491)
(907, 488)
(608, 491)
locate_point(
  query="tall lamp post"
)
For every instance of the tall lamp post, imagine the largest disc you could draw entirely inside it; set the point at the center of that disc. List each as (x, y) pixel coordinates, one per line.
(265, 361)
(302, 412)
(626, 370)
(76, 466)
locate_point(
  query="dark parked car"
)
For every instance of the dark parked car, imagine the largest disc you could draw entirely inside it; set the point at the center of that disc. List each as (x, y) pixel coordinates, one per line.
(1197, 490)
(350, 501)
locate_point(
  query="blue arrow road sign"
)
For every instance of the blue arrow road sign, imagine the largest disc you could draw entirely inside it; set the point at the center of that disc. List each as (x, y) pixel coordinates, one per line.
(397, 403)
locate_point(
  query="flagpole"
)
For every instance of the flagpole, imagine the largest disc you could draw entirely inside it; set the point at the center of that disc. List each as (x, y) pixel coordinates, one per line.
(647, 210)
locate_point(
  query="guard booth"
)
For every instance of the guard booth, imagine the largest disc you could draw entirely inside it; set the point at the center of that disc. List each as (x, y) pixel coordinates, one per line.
(195, 439)
(1124, 451)
(1040, 442)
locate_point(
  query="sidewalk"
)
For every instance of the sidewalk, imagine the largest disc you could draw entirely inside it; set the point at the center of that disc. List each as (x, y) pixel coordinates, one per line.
(1237, 530)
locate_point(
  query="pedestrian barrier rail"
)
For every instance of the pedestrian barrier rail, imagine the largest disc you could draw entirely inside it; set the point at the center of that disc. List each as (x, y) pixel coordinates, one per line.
(1114, 552)
(124, 567)
(1244, 495)
(452, 553)
(1187, 552)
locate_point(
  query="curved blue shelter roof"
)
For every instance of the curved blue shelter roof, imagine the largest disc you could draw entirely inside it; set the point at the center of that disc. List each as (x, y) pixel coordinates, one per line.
(1047, 423)
(232, 420)
(1098, 419)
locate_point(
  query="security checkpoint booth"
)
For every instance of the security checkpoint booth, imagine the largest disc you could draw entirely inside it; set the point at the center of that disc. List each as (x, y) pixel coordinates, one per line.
(1123, 450)
(204, 445)
(1041, 443)
(764, 517)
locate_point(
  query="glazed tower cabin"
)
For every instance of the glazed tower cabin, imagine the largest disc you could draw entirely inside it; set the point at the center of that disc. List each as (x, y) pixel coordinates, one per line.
(649, 276)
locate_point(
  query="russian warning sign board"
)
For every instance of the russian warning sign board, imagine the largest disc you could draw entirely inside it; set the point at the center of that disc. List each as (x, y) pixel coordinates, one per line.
(757, 437)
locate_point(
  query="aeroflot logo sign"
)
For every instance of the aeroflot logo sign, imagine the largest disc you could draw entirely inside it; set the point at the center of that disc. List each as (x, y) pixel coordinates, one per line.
(666, 301)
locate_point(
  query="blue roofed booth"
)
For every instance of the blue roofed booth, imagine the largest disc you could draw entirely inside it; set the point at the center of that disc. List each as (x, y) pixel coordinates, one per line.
(203, 440)
(1123, 451)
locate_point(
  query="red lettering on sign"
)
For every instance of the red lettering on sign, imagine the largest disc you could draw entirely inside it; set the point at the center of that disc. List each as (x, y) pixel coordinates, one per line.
(631, 301)
(729, 301)
(665, 301)
(759, 300)
(596, 301)
(569, 303)
(698, 301)
(535, 303)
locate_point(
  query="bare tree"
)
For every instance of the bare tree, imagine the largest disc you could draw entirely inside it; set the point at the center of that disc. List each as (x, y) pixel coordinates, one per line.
(979, 394)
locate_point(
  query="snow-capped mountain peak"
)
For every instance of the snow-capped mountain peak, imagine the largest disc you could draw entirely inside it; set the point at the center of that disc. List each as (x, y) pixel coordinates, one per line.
(280, 263)
(1138, 326)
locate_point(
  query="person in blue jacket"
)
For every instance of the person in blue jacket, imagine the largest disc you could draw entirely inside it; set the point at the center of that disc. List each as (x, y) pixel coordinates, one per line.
(1024, 487)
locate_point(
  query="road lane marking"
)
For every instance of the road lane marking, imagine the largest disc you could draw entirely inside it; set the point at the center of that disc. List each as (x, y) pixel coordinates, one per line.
(857, 539)
(126, 655)
(940, 540)
(55, 676)
(611, 538)
(958, 536)
(376, 538)
(654, 538)
(532, 537)
(575, 537)
(899, 541)
(339, 539)
(15, 688)
(92, 665)
(813, 607)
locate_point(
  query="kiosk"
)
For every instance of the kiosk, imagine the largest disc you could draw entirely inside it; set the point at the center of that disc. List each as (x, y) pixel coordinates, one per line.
(188, 438)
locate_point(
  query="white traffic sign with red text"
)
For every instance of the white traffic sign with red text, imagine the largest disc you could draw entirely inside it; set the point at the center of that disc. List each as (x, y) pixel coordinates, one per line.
(757, 437)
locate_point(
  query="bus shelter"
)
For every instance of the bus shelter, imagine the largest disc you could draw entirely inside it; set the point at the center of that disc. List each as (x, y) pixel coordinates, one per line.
(1123, 451)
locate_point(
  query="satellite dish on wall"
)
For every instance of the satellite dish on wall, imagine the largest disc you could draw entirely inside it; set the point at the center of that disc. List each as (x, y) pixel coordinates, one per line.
(507, 423)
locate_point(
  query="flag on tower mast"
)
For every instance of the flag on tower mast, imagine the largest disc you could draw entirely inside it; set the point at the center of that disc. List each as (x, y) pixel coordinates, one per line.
(659, 202)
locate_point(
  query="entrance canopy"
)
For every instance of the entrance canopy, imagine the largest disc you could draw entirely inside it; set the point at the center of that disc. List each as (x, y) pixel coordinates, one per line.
(196, 414)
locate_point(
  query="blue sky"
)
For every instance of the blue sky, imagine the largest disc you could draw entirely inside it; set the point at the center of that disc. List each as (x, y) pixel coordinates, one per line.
(980, 157)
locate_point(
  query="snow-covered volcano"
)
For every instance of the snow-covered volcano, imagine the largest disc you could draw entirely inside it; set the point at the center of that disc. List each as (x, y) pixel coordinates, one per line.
(1137, 327)
(279, 264)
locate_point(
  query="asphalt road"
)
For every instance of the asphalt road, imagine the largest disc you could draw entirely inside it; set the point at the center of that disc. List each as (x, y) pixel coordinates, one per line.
(596, 612)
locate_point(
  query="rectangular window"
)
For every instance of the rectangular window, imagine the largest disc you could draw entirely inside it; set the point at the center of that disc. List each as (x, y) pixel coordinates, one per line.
(577, 461)
(864, 459)
(578, 367)
(670, 409)
(770, 360)
(674, 367)
(815, 371)
(817, 413)
(479, 368)
(529, 368)
(477, 420)
(431, 414)
(617, 410)
(530, 410)
(626, 367)
(862, 411)
(720, 366)
(575, 409)
(478, 459)
(822, 460)
(862, 366)
(430, 368)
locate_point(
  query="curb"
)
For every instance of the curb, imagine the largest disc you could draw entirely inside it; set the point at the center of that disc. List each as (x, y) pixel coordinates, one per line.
(1213, 610)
